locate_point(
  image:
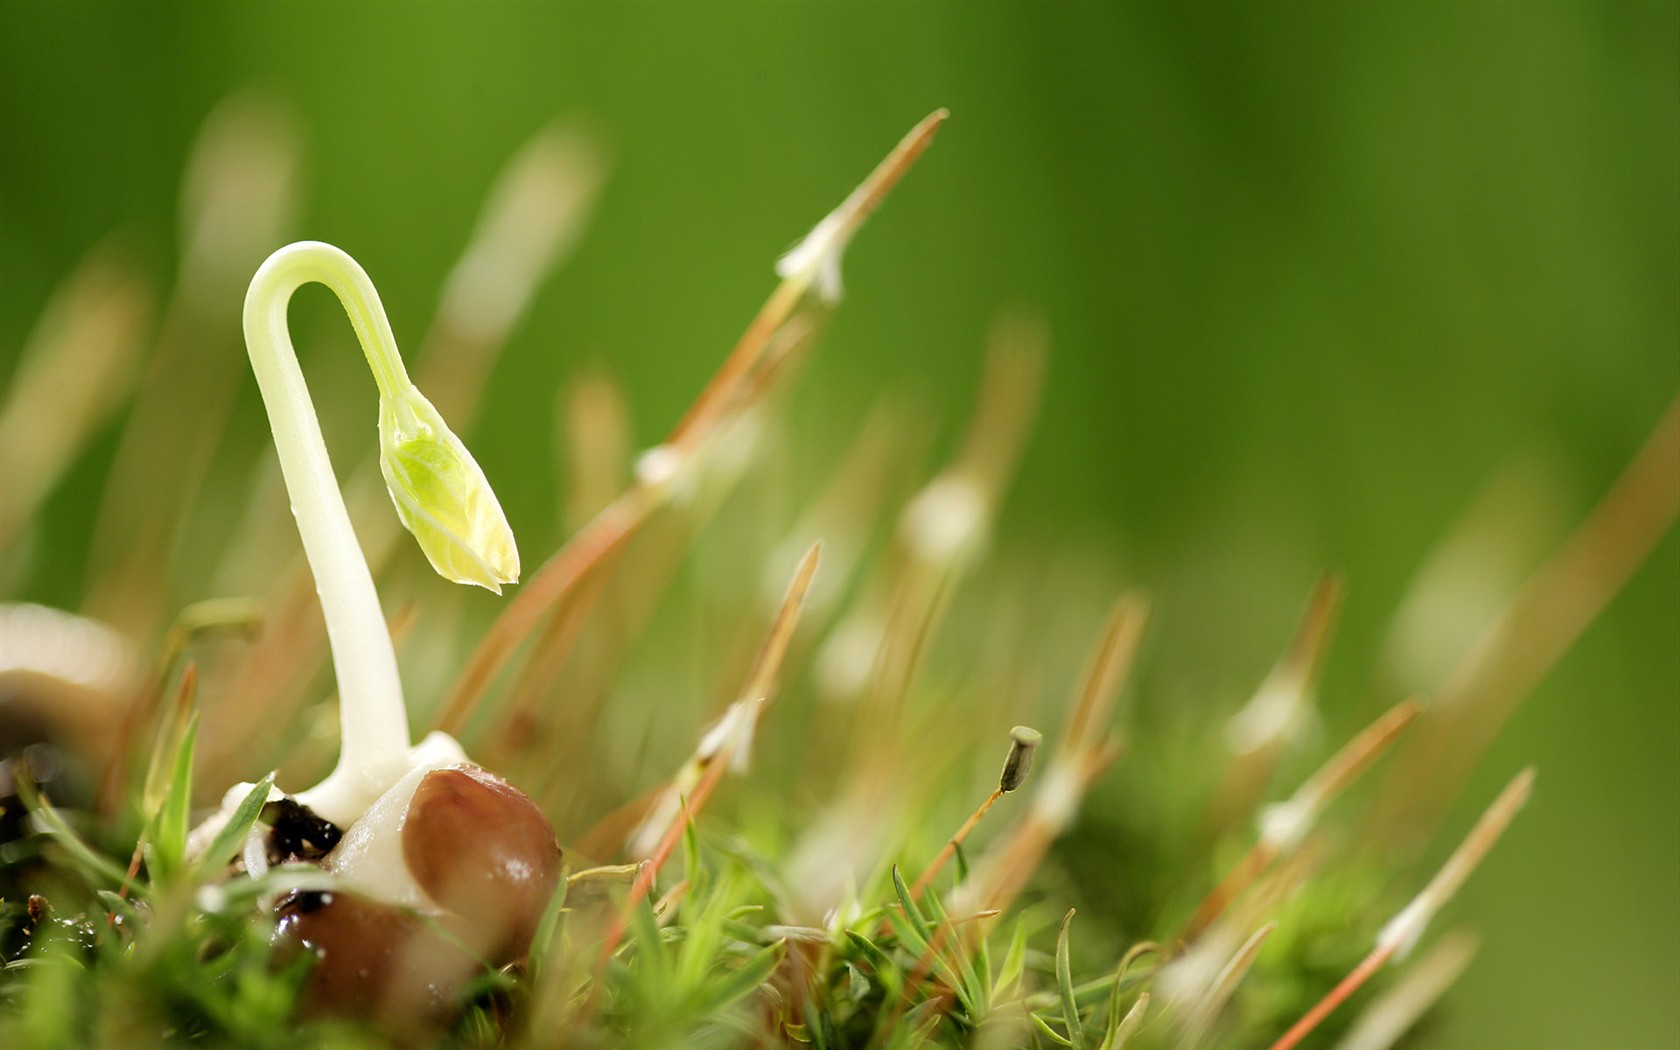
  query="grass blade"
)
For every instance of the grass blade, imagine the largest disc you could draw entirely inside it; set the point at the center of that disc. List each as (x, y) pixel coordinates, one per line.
(232, 836)
(746, 978)
(1014, 963)
(912, 914)
(95, 867)
(170, 824)
(1049, 1033)
(1064, 983)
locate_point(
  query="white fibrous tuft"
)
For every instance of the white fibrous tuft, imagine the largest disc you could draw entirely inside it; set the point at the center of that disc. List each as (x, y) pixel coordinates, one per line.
(1402, 932)
(817, 257)
(736, 728)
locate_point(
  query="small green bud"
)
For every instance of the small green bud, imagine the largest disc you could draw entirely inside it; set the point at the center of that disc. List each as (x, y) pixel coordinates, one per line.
(442, 496)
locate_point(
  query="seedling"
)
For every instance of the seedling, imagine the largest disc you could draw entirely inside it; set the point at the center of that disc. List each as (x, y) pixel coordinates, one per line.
(441, 862)
(440, 495)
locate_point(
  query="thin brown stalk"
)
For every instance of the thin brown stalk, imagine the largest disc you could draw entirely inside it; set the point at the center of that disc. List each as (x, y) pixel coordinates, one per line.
(877, 651)
(1207, 1008)
(847, 510)
(952, 845)
(593, 429)
(1338, 995)
(613, 527)
(1260, 731)
(1405, 928)
(553, 649)
(1108, 668)
(1541, 623)
(605, 534)
(79, 364)
(1392, 1014)
(1088, 748)
(715, 398)
(1242, 875)
(553, 646)
(1024, 742)
(237, 197)
(1018, 854)
(1301, 810)
(759, 688)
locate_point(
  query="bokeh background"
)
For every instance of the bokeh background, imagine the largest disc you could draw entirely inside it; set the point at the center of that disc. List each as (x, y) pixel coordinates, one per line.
(1315, 274)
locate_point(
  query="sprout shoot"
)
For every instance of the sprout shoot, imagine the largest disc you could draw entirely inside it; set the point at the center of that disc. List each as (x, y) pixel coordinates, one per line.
(440, 494)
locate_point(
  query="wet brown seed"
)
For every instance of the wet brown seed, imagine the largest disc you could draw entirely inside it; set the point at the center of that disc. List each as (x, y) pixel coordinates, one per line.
(372, 960)
(483, 851)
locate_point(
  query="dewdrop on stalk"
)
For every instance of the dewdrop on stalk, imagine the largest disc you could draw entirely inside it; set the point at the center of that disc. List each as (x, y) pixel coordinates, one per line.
(419, 838)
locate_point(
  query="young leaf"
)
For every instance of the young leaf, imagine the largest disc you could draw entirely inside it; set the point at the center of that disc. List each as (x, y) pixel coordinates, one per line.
(704, 938)
(651, 955)
(1064, 982)
(746, 978)
(1114, 1023)
(1049, 1033)
(442, 496)
(1014, 963)
(921, 1021)
(170, 824)
(983, 964)
(876, 956)
(970, 990)
(549, 926)
(911, 912)
(1119, 1036)
(857, 985)
(232, 836)
(95, 867)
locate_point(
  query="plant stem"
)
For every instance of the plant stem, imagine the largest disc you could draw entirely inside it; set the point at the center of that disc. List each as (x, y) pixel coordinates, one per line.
(950, 849)
(1349, 984)
(372, 718)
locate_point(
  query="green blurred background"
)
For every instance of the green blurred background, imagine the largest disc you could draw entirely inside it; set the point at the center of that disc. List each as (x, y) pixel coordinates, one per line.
(1314, 274)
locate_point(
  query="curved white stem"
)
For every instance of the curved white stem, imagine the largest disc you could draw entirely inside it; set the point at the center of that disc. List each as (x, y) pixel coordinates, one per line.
(373, 720)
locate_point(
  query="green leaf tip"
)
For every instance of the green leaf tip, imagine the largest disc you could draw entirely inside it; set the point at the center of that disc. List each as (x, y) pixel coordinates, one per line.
(442, 496)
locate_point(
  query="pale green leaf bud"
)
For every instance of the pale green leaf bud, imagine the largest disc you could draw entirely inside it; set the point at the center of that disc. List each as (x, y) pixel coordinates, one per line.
(442, 496)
